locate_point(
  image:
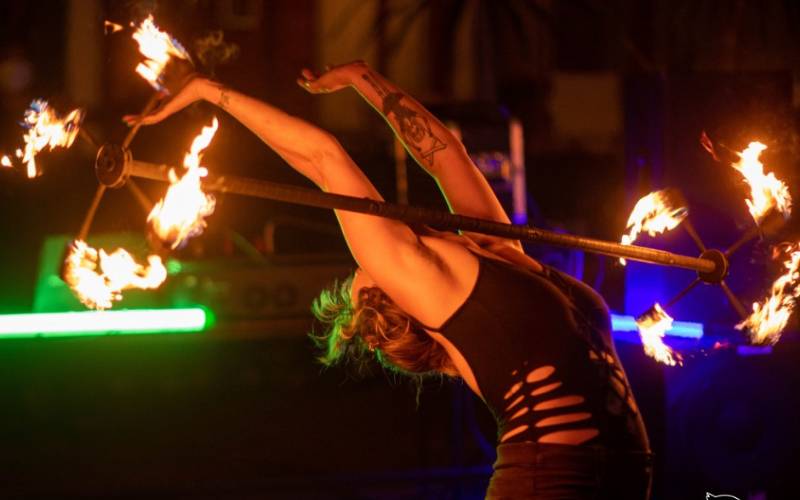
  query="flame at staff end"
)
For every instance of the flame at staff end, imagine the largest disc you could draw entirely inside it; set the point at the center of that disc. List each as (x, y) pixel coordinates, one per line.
(654, 213)
(99, 278)
(652, 326)
(5, 161)
(46, 130)
(181, 213)
(158, 48)
(771, 315)
(767, 192)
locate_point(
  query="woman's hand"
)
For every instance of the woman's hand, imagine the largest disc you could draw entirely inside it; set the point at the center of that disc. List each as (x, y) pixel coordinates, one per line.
(333, 79)
(188, 94)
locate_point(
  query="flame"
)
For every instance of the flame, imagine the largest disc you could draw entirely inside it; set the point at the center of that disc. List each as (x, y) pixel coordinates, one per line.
(98, 278)
(180, 214)
(111, 27)
(653, 214)
(158, 48)
(5, 161)
(766, 190)
(652, 326)
(46, 129)
(770, 316)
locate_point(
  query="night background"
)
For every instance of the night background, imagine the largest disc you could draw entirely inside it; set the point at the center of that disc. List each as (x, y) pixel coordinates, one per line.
(612, 98)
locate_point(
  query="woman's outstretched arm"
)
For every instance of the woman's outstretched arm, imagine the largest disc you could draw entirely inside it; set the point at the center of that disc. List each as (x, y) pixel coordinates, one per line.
(430, 143)
(391, 253)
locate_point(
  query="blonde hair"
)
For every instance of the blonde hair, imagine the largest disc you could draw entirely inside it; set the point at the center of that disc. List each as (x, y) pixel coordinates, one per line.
(375, 328)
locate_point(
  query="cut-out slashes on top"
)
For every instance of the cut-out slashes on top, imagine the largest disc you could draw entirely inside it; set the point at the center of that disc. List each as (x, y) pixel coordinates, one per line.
(539, 374)
(544, 399)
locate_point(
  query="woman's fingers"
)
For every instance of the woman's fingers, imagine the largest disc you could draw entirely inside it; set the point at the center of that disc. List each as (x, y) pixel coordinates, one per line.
(308, 74)
(310, 85)
(304, 83)
(326, 82)
(149, 119)
(167, 107)
(309, 80)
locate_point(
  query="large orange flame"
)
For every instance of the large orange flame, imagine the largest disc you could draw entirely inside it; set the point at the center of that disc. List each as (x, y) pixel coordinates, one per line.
(652, 327)
(46, 130)
(181, 213)
(771, 315)
(98, 278)
(766, 190)
(653, 214)
(158, 48)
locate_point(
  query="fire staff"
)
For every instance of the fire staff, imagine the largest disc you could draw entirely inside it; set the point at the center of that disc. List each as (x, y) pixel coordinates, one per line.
(532, 343)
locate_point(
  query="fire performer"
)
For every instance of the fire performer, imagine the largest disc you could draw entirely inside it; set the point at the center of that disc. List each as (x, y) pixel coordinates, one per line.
(534, 344)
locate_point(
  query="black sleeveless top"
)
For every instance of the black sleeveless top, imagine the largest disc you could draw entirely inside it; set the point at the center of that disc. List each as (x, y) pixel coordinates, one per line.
(540, 347)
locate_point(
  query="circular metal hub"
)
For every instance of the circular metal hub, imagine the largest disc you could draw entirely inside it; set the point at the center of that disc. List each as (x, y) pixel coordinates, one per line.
(721, 271)
(111, 165)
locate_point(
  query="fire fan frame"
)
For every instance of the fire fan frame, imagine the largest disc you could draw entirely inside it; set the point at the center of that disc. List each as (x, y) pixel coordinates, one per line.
(115, 167)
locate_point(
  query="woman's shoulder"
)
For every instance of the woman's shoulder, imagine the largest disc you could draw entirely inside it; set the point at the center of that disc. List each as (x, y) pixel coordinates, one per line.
(477, 245)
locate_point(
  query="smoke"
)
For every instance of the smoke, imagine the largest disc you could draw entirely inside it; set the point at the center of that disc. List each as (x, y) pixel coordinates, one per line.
(140, 9)
(212, 50)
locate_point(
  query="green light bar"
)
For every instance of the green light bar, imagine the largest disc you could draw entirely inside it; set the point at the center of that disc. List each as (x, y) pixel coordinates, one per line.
(94, 323)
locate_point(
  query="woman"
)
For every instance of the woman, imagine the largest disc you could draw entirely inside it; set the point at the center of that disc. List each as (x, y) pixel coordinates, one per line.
(532, 343)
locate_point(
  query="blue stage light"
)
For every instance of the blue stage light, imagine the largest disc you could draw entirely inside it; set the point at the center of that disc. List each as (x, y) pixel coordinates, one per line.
(685, 329)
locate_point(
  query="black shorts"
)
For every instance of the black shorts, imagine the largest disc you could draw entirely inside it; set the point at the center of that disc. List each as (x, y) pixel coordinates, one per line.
(555, 471)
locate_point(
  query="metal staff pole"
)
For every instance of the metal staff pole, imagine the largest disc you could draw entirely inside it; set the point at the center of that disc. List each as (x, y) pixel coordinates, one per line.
(115, 165)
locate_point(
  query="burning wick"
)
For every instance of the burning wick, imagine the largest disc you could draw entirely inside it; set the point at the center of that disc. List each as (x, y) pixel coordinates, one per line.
(766, 190)
(652, 326)
(158, 48)
(654, 214)
(98, 278)
(5, 161)
(181, 213)
(111, 27)
(46, 129)
(771, 315)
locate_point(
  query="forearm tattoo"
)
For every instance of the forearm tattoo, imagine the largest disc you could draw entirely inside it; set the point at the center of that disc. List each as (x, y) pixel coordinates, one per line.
(224, 98)
(415, 130)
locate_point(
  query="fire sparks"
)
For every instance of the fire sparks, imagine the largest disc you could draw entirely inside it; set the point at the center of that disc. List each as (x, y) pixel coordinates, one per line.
(652, 326)
(111, 27)
(158, 48)
(5, 161)
(767, 192)
(770, 316)
(46, 129)
(655, 213)
(181, 213)
(98, 278)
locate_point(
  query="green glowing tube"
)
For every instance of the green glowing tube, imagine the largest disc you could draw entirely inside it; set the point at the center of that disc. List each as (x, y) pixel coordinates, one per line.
(93, 323)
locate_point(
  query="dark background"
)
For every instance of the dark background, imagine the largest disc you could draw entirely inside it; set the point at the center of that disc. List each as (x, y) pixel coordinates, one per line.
(613, 97)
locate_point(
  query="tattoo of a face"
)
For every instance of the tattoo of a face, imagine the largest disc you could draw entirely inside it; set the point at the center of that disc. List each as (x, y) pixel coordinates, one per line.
(415, 130)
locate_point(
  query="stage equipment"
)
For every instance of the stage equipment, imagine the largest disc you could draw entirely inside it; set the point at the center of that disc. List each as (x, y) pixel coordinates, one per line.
(93, 323)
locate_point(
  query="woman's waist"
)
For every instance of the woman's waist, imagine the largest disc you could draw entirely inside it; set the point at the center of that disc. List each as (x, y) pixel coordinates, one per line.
(528, 454)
